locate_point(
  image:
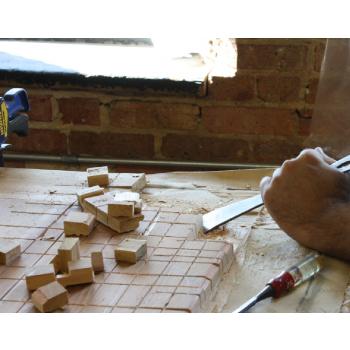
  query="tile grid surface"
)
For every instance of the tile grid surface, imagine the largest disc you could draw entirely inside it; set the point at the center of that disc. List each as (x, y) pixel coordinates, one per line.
(180, 273)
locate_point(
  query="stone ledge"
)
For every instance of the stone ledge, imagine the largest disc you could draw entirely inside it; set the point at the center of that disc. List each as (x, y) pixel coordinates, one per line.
(120, 85)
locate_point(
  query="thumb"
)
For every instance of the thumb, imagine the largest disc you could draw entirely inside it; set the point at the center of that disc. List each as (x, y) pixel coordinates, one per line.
(264, 184)
(324, 156)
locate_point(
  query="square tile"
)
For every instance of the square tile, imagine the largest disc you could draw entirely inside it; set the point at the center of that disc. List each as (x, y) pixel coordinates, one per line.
(18, 293)
(6, 285)
(39, 247)
(119, 278)
(156, 300)
(182, 231)
(107, 295)
(177, 268)
(133, 296)
(171, 281)
(10, 306)
(168, 242)
(158, 229)
(186, 302)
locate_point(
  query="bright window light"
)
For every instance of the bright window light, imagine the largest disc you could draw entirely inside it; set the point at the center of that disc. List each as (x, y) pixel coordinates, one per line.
(180, 59)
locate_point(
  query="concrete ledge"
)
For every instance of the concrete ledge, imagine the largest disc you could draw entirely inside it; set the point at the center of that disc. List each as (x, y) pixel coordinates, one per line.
(123, 85)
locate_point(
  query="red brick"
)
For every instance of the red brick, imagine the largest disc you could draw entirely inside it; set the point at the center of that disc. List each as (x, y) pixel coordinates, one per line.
(204, 148)
(153, 115)
(40, 108)
(84, 111)
(40, 141)
(278, 89)
(239, 88)
(272, 57)
(311, 91)
(275, 151)
(255, 121)
(112, 145)
(304, 128)
(304, 121)
(319, 54)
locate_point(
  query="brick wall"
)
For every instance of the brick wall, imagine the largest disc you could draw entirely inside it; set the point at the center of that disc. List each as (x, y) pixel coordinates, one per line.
(262, 115)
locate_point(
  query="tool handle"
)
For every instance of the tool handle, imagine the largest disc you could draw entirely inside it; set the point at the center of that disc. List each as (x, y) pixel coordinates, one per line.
(19, 125)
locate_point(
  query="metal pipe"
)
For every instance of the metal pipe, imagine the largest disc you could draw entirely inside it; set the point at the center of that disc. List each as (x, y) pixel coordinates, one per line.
(132, 162)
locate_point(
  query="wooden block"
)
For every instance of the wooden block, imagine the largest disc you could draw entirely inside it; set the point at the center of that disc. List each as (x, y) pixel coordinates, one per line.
(68, 251)
(40, 275)
(117, 209)
(138, 207)
(9, 251)
(126, 196)
(56, 262)
(79, 272)
(97, 261)
(134, 182)
(78, 224)
(122, 224)
(92, 203)
(89, 192)
(97, 176)
(102, 214)
(50, 297)
(130, 250)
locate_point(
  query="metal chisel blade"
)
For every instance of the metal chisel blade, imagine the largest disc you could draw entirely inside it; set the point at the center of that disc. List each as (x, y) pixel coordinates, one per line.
(224, 214)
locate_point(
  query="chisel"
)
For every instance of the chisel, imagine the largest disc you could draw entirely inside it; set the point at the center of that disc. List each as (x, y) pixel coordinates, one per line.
(222, 215)
(286, 281)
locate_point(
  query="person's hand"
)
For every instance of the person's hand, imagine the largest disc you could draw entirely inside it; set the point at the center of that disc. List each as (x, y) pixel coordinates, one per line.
(310, 201)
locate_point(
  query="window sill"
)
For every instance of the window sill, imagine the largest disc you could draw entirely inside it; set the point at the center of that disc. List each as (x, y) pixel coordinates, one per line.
(104, 67)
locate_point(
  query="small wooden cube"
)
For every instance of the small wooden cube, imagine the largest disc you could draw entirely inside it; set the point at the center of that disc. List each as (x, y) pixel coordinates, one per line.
(40, 275)
(102, 214)
(122, 224)
(9, 251)
(127, 196)
(79, 272)
(97, 261)
(89, 192)
(130, 250)
(92, 203)
(98, 176)
(68, 251)
(56, 262)
(78, 224)
(138, 207)
(125, 209)
(50, 297)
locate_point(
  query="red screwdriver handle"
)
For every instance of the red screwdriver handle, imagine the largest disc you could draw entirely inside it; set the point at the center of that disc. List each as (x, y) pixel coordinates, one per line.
(281, 284)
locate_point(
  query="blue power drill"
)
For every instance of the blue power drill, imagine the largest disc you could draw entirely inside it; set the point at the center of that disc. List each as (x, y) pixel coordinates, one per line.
(13, 117)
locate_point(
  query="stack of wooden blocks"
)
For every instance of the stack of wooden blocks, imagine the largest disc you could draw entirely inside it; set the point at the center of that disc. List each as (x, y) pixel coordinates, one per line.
(48, 282)
(121, 211)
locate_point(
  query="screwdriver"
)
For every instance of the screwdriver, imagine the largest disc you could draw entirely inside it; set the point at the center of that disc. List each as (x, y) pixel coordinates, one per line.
(286, 281)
